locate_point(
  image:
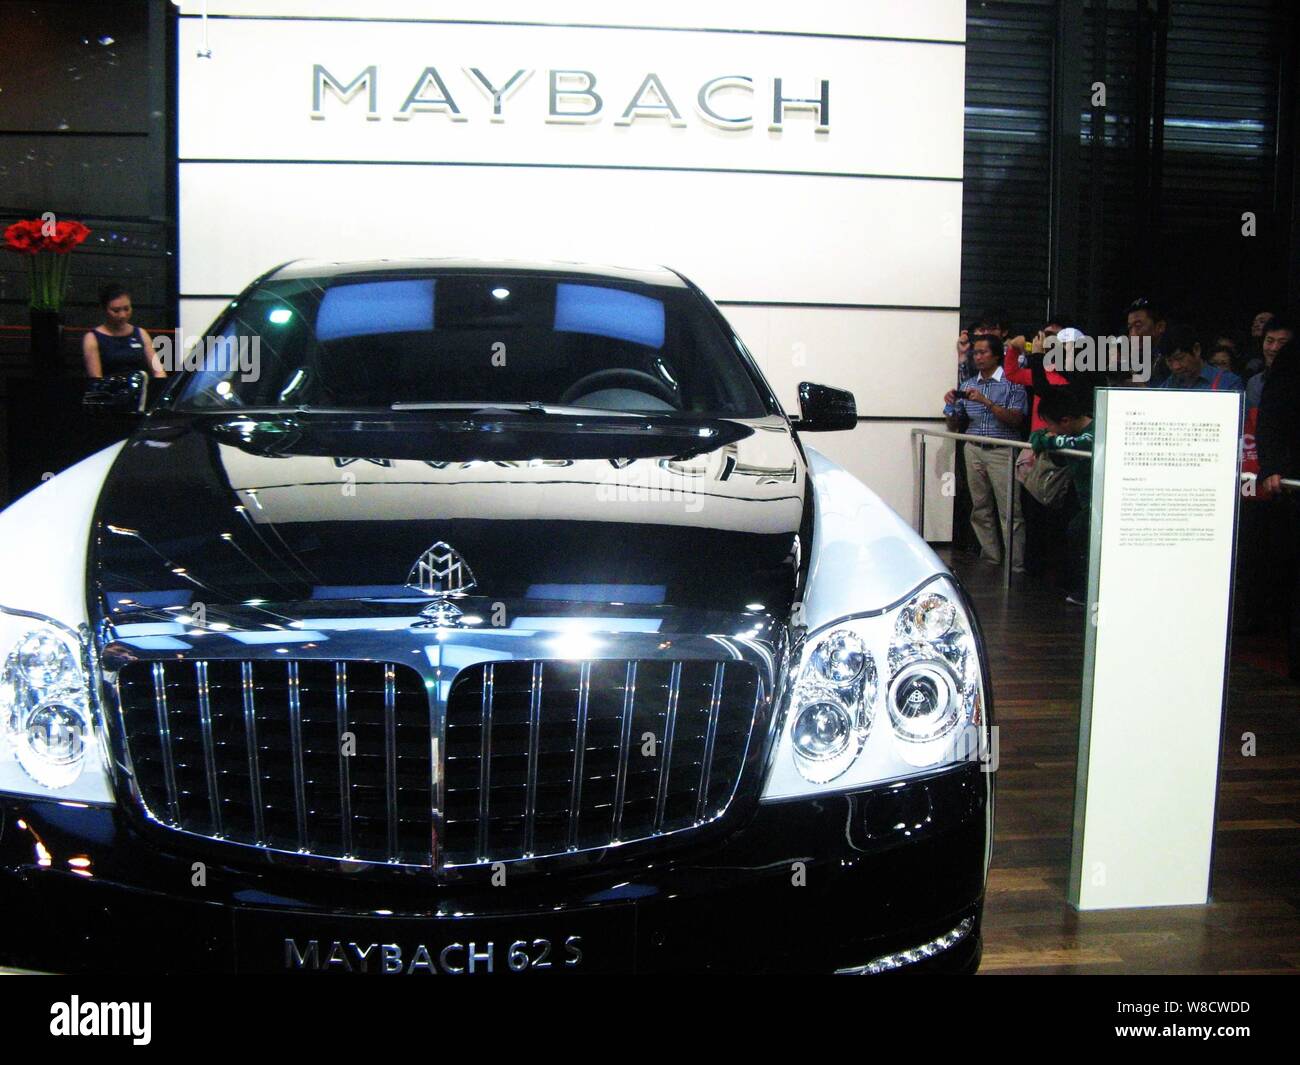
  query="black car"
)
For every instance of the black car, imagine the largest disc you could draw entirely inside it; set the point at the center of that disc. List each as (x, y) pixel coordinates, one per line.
(483, 617)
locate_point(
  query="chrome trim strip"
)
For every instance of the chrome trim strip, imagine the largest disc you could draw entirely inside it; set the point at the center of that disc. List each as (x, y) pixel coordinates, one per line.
(534, 731)
(921, 952)
(345, 768)
(710, 737)
(812, 634)
(437, 744)
(250, 737)
(670, 726)
(165, 738)
(485, 762)
(295, 744)
(209, 750)
(390, 755)
(579, 751)
(625, 746)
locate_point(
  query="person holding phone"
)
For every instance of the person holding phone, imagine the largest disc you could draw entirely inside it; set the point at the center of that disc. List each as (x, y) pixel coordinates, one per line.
(989, 405)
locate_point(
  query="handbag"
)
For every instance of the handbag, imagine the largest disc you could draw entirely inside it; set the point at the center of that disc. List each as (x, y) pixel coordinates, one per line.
(1043, 479)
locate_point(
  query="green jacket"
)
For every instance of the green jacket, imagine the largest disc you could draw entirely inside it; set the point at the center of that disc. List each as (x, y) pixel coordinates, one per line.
(1044, 442)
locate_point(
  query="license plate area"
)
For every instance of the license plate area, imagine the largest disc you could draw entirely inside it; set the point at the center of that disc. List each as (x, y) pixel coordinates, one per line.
(596, 941)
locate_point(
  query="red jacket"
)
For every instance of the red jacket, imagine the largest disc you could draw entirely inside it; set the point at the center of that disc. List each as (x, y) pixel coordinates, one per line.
(1023, 376)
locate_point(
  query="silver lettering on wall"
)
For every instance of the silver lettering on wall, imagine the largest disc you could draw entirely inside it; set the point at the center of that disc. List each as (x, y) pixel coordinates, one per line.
(493, 93)
(442, 103)
(562, 89)
(322, 78)
(572, 97)
(658, 105)
(704, 101)
(820, 104)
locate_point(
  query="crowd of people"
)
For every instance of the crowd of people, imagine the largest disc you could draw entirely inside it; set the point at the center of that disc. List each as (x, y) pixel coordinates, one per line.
(1013, 388)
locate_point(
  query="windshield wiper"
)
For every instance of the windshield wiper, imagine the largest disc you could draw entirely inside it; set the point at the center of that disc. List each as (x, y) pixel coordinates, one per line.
(456, 408)
(533, 407)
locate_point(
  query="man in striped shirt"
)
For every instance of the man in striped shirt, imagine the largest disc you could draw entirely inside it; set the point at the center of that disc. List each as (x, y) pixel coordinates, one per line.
(987, 404)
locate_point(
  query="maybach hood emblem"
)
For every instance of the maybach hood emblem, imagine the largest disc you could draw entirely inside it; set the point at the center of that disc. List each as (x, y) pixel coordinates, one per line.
(441, 572)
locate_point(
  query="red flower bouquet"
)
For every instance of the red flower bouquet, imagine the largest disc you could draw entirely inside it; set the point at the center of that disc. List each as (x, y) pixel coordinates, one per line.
(48, 243)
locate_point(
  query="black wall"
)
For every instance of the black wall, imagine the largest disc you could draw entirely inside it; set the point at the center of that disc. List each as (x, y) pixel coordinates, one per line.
(87, 125)
(87, 131)
(1083, 209)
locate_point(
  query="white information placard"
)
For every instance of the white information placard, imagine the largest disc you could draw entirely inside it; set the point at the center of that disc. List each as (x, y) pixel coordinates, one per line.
(1164, 512)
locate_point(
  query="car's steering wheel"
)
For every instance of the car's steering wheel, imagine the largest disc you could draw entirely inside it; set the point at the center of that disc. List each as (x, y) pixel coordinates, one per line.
(636, 379)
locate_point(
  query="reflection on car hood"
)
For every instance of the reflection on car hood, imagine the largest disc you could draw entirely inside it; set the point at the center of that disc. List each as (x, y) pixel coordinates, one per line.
(237, 512)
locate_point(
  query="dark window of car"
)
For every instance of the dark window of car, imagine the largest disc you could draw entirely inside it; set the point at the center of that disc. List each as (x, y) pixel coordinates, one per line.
(379, 340)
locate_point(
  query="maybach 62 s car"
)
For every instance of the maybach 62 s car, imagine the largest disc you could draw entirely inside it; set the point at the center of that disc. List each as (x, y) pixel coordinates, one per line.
(462, 617)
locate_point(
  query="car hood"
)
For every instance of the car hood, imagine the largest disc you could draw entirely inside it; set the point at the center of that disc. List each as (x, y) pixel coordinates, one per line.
(260, 517)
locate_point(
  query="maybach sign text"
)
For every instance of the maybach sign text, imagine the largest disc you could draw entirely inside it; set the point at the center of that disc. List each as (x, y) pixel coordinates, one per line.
(728, 101)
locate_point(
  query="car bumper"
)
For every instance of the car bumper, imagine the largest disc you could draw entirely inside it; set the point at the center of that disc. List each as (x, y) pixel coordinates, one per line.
(886, 878)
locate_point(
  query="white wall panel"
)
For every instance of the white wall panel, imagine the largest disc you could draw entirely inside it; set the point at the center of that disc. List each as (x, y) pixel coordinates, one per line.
(930, 19)
(879, 454)
(748, 237)
(886, 358)
(270, 116)
(197, 315)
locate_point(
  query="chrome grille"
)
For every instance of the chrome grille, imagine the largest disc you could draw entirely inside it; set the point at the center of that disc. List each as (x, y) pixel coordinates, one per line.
(327, 758)
(548, 757)
(339, 759)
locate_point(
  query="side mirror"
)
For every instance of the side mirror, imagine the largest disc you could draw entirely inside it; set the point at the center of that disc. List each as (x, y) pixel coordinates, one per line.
(823, 409)
(116, 395)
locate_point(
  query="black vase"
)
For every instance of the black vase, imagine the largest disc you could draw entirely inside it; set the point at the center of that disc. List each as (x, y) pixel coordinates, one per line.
(47, 343)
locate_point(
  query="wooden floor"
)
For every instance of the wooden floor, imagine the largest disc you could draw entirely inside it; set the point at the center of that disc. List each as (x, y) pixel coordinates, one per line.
(1253, 925)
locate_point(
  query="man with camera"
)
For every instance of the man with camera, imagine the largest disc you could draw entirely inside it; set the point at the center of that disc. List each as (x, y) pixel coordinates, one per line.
(989, 405)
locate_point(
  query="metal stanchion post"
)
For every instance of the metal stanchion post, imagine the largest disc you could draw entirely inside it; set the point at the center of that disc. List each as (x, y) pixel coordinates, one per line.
(920, 495)
(1007, 554)
(1009, 519)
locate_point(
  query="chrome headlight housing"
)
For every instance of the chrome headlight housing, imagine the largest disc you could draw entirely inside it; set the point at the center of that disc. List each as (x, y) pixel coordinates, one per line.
(882, 697)
(50, 736)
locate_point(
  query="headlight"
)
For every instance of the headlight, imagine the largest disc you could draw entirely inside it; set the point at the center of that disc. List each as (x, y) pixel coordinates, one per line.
(879, 698)
(49, 728)
(923, 703)
(841, 657)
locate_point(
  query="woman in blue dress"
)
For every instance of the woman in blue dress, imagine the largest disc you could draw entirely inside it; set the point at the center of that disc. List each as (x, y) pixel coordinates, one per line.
(116, 347)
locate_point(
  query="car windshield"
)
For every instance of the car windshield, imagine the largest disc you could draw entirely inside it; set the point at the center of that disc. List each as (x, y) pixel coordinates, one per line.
(484, 338)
